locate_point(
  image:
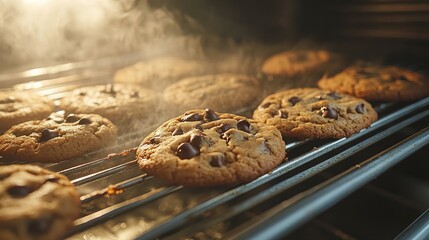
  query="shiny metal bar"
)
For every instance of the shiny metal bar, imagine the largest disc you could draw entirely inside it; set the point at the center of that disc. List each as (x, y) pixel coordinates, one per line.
(292, 213)
(418, 230)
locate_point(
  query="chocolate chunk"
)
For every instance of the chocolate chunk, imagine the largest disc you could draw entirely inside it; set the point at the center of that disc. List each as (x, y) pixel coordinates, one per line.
(134, 94)
(48, 135)
(81, 93)
(154, 140)
(187, 151)
(39, 226)
(294, 100)
(84, 121)
(403, 78)
(191, 117)
(178, 131)
(217, 161)
(196, 140)
(282, 114)
(334, 95)
(243, 125)
(210, 115)
(328, 112)
(265, 105)
(359, 108)
(223, 128)
(19, 191)
(72, 118)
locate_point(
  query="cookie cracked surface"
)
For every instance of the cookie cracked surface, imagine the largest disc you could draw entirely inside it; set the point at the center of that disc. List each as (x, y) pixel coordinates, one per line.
(379, 83)
(57, 137)
(206, 148)
(36, 203)
(17, 107)
(120, 103)
(314, 113)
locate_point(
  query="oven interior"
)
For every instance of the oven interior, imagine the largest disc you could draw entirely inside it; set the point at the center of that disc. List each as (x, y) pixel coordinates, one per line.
(372, 185)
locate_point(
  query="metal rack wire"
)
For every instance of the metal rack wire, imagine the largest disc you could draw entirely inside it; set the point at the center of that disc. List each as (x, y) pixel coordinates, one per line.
(121, 201)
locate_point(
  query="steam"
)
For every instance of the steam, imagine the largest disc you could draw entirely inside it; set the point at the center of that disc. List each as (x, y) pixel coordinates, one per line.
(49, 31)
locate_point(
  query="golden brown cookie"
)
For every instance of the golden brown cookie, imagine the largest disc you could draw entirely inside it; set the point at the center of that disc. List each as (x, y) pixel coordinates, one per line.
(314, 113)
(17, 107)
(120, 103)
(159, 72)
(57, 138)
(221, 92)
(206, 148)
(294, 62)
(36, 203)
(379, 83)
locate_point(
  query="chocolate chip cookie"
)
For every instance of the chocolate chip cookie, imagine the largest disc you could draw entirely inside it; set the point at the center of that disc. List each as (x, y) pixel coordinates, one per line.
(314, 113)
(57, 137)
(17, 107)
(294, 62)
(120, 103)
(36, 203)
(206, 148)
(379, 83)
(220, 92)
(157, 73)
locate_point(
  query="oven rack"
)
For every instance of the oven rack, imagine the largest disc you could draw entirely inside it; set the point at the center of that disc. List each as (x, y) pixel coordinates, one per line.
(108, 178)
(121, 201)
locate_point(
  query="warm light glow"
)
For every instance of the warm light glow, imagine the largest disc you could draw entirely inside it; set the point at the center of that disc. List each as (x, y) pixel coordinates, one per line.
(35, 2)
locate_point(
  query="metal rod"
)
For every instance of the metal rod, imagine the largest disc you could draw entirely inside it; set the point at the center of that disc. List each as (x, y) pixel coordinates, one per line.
(112, 211)
(181, 218)
(103, 173)
(418, 230)
(306, 174)
(290, 214)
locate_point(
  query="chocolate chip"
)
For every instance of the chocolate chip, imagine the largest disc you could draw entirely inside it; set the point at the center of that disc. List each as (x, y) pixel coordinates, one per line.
(191, 117)
(84, 121)
(294, 100)
(265, 105)
(282, 114)
(134, 94)
(359, 108)
(154, 140)
(196, 140)
(39, 226)
(19, 191)
(81, 93)
(48, 135)
(72, 118)
(334, 95)
(187, 151)
(217, 161)
(223, 128)
(178, 131)
(210, 115)
(328, 112)
(243, 125)
(403, 78)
